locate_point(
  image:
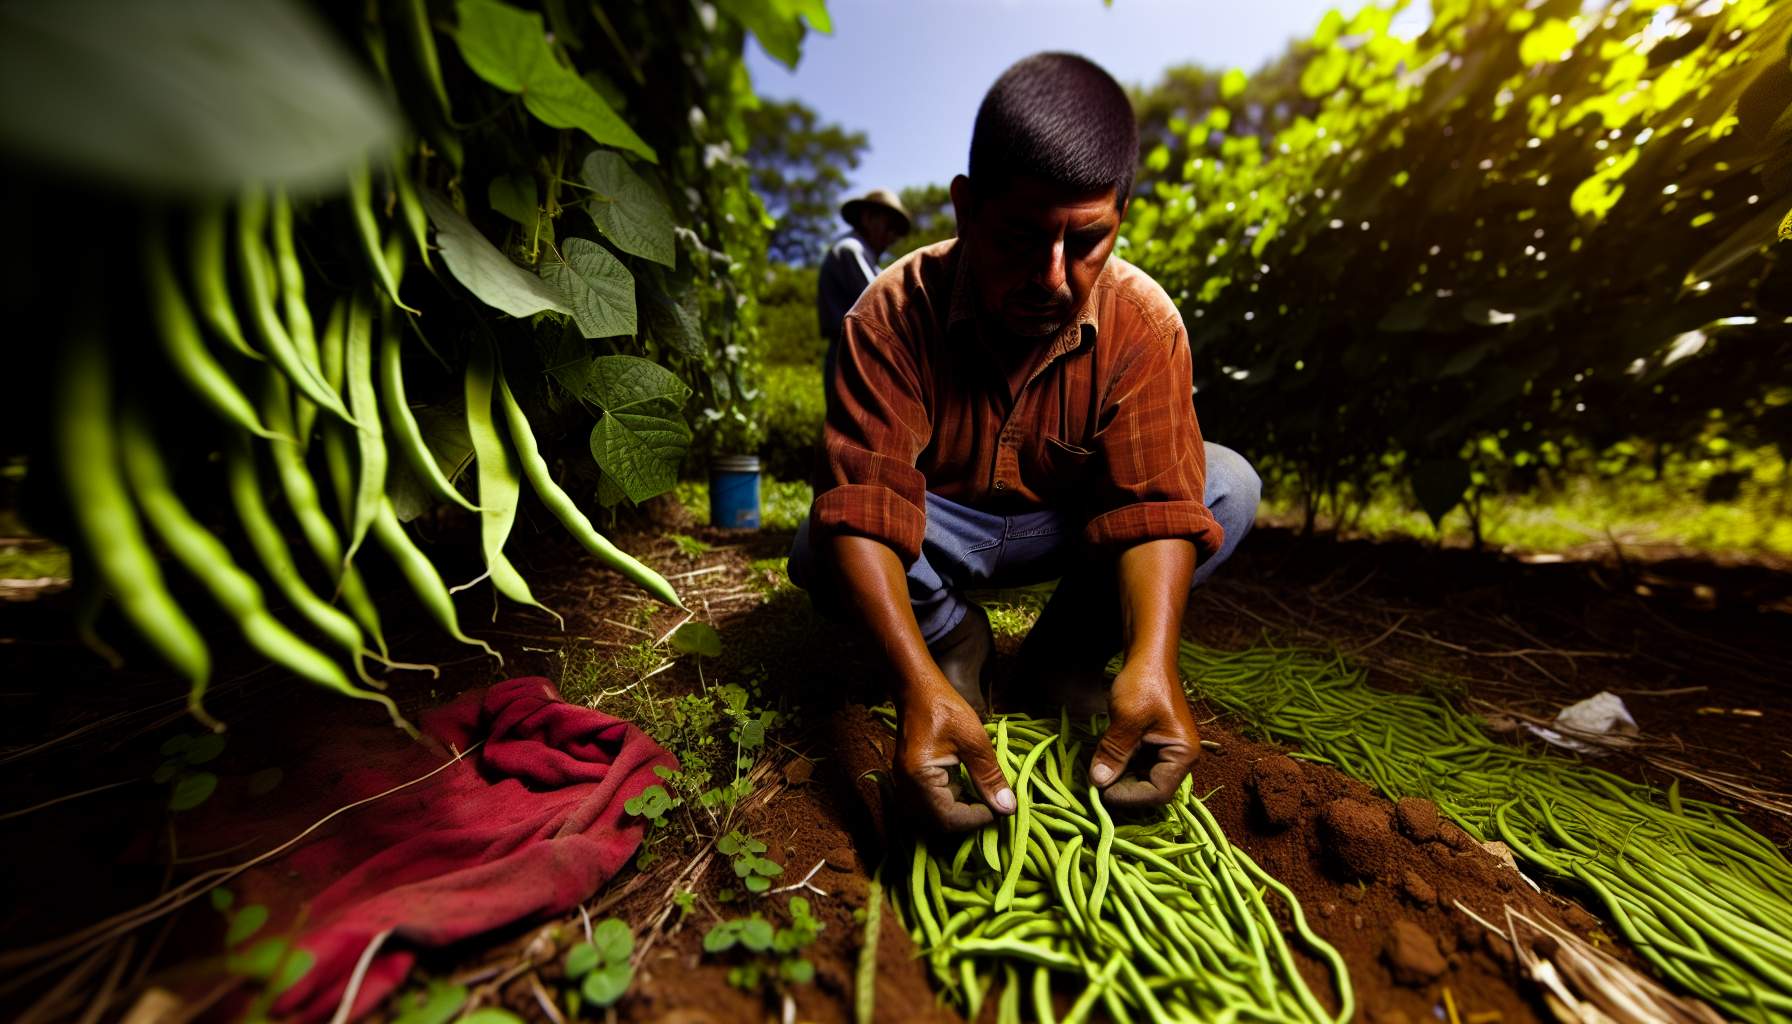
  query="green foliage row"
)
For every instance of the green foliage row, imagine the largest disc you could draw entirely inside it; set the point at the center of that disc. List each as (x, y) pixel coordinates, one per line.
(1531, 222)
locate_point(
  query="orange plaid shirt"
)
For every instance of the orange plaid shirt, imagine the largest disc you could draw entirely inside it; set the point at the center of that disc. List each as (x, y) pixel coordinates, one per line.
(1103, 426)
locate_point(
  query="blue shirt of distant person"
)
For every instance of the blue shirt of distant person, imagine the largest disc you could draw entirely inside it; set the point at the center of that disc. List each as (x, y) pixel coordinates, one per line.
(878, 220)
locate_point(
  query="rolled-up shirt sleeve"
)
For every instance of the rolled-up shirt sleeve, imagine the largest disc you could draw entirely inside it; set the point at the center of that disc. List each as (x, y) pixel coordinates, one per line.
(877, 426)
(1152, 477)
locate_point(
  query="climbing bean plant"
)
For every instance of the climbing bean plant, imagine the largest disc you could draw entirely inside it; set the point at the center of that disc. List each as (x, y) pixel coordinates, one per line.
(1530, 223)
(358, 262)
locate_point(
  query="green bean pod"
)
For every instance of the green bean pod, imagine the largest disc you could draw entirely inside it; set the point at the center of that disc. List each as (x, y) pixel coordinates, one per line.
(360, 192)
(207, 265)
(185, 349)
(499, 485)
(320, 534)
(110, 531)
(363, 404)
(567, 511)
(207, 560)
(258, 279)
(296, 314)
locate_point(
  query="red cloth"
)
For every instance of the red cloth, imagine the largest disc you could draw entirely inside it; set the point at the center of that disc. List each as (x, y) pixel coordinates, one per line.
(528, 826)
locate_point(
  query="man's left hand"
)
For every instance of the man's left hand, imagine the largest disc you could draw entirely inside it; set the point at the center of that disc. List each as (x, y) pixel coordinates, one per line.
(1150, 725)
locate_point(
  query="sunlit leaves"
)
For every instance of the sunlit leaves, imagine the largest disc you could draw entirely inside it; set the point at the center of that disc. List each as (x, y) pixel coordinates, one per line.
(1553, 40)
(1594, 197)
(509, 48)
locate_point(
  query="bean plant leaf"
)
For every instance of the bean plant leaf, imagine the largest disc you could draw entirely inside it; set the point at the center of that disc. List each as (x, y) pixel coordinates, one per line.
(607, 984)
(192, 791)
(721, 938)
(263, 782)
(245, 923)
(485, 271)
(111, 88)
(509, 48)
(626, 209)
(438, 1005)
(598, 287)
(613, 940)
(582, 959)
(513, 195)
(775, 24)
(675, 322)
(698, 638)
(756, 933)
(205, 748)
(641, 439)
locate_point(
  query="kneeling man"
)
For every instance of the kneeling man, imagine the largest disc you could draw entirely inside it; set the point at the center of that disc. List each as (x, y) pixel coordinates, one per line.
(1013, 406)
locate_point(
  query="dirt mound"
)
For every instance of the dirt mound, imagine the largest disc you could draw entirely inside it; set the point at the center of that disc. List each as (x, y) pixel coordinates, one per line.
(1277, 790)
(1379, 881)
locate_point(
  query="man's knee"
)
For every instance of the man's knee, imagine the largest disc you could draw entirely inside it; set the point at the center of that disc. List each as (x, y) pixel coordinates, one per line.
(1235, 489)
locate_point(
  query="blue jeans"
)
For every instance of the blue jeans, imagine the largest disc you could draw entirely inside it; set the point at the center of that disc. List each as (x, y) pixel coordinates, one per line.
(965, 549)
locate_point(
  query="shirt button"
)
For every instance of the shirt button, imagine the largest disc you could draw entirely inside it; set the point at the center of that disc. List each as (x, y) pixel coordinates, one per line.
(1001, 486)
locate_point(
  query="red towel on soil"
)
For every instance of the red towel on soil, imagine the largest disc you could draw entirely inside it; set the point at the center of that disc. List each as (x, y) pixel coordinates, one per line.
(529, 825)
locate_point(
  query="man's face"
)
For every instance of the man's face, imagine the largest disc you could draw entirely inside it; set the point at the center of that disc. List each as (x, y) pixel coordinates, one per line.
(1035, 251)
(879, 226)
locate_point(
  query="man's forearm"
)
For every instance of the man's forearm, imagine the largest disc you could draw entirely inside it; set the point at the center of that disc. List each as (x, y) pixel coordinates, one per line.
(1154, 582)
(874, 584)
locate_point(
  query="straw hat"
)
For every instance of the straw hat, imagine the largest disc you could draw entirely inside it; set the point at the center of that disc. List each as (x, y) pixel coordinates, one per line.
(876, 197)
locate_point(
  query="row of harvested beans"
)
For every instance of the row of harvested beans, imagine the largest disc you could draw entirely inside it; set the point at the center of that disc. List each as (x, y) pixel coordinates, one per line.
(1706, 900)
(1158, 918)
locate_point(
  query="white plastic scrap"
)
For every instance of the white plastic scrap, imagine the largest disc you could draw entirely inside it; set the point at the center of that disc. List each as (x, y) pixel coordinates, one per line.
(1592, 726)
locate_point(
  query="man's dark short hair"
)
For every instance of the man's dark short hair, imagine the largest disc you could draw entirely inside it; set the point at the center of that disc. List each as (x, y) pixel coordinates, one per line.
(1060, 118)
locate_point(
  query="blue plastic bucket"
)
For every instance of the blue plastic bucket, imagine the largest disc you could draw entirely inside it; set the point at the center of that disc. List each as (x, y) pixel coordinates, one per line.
(734, 491)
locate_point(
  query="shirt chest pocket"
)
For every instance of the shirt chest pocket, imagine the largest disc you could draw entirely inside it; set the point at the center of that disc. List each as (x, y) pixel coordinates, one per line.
(1064, 466)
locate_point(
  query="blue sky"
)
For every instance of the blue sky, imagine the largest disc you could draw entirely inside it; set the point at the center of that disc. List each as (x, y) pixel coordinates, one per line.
(909, 73)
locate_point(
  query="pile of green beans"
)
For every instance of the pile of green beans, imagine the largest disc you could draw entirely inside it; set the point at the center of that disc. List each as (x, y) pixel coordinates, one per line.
(274, 381)
(1155, 917)
(1704, 898)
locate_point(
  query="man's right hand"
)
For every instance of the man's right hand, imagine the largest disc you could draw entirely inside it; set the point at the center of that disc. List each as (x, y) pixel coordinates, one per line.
(937, 731)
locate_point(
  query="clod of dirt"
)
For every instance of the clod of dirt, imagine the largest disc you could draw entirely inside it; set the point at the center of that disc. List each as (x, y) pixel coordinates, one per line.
(1277, 790)
(1412, 955)
(799, 771)
(1416, 889)
(1417, 819)
(842, 858)
(1356, 838)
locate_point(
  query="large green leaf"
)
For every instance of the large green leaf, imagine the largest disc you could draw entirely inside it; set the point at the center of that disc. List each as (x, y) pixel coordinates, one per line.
(599, 288)
(509, 48)
(778, 23)
(628, 210)
(193, 96)
(641, 438)
(485, 271)
(513, 195)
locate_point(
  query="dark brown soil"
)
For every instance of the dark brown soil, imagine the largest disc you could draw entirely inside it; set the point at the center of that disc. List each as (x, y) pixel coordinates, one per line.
(1381, 882)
